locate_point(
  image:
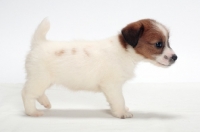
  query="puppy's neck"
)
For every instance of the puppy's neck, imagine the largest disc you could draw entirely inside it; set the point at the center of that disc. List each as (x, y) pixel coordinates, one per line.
(121, 49)
(129, 49)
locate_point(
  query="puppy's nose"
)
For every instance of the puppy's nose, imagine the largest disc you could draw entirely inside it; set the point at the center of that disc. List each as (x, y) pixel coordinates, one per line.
(174, 57)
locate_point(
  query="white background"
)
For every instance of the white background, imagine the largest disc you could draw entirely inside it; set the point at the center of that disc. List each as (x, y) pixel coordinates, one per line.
(97, 19)
(166, 107)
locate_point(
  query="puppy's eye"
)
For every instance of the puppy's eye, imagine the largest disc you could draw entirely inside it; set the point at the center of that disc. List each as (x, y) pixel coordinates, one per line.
(159, 45)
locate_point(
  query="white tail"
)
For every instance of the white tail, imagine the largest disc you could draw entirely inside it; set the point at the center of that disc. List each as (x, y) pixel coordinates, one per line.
(40, 32)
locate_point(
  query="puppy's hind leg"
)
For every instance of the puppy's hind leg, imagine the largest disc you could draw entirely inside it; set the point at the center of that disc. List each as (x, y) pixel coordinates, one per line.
(43, 100)
(34, 89)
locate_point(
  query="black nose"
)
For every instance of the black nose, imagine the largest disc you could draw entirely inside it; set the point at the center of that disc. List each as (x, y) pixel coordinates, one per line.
(174, 57)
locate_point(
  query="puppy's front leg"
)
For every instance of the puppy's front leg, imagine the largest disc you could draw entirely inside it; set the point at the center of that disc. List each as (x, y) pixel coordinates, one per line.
(115, 98)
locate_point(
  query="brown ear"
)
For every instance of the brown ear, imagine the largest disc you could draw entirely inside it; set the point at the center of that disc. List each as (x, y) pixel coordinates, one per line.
(132, 33)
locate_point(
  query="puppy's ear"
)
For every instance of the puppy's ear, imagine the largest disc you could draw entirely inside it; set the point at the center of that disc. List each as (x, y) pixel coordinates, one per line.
(132, 33)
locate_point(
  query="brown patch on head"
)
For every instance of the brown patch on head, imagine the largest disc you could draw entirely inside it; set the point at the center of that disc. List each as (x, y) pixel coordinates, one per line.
(132, 32)
(86, 52)
(60, 52)
(143, 36)
(73, 51)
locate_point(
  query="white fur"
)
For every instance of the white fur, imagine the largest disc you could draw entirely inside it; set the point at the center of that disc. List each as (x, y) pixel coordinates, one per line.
(164, 58)
(83, 65)
(162, 29)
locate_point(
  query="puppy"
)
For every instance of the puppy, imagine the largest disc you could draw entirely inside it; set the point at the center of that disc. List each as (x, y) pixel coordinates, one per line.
(103, 65)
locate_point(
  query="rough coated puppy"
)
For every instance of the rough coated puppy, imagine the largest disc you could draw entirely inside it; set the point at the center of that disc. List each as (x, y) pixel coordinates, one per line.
(103, 65)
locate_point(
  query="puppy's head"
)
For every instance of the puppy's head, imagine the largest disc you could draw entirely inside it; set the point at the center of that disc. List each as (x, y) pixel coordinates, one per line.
(150, 39)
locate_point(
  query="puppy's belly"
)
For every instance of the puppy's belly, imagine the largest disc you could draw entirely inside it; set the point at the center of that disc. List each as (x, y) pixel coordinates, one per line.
(77, 82)
(77, 76)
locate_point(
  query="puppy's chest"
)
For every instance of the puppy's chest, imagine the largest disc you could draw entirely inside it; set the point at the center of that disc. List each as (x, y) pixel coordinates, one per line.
(125, 69)
(129, 71)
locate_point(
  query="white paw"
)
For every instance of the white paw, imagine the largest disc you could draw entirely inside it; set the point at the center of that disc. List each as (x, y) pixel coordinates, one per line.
(123, 115)
(43, 100)
(48, 106)
(36, 113)
(127, 115)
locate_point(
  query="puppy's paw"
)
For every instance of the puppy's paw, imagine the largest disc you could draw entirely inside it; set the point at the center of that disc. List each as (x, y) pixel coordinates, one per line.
(127, 109)
(43, 100)
(127, 115)
(122, 115)
(48, 106)
(36, 113)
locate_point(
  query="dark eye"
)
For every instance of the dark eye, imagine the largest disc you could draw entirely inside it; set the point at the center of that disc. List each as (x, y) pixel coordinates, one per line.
(159, 44)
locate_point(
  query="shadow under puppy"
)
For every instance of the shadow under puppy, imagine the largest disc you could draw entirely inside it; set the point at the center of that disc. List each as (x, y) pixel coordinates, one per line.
(103, 65)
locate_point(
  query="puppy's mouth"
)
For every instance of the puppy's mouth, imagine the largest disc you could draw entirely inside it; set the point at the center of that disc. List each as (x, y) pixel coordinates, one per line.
(166, 65)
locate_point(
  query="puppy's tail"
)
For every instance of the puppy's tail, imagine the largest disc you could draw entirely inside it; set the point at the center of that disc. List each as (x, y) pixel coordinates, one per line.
(40, 32)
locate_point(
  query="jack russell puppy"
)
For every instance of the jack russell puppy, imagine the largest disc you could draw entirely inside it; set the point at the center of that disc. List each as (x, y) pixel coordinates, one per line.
(100, 66)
